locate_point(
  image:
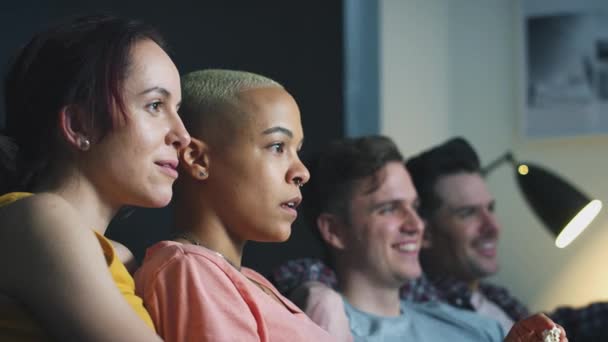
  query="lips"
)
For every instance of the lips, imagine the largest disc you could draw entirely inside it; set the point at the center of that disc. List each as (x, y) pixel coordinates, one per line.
(486, 248)
(291, 205)
(168, 167)
(409, 247)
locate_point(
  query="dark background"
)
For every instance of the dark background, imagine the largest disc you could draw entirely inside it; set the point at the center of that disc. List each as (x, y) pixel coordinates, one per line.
(298, 43)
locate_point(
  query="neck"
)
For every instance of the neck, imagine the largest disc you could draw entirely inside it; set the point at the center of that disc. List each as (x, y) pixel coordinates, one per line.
(199, 224)
(85, 198)
(368, 296)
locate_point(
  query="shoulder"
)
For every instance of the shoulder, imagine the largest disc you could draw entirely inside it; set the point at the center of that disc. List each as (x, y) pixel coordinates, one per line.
(168, 254)
(187, 281)
(44, 223)
(169, 263)
(441, 312)
(316, 296)
(501, 296)
(36, 207)
(45, 219)
(34, 214)
(322, 304)
(255, 275)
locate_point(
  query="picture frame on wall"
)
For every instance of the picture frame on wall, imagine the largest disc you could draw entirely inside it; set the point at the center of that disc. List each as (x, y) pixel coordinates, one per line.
(566, 68)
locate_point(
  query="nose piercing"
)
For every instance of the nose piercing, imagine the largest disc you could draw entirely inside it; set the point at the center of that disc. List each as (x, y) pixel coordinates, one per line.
(298, 182)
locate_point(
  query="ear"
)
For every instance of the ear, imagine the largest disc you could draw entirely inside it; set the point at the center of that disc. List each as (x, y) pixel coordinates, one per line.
(332, 230)
(194, 159)
(72, 126)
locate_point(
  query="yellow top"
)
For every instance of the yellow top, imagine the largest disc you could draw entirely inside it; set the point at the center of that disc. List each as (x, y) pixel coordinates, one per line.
(16, 324)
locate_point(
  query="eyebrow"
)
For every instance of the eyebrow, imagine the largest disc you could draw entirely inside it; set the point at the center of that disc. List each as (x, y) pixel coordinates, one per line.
(475, 205)
(278, 129)
(161, 90)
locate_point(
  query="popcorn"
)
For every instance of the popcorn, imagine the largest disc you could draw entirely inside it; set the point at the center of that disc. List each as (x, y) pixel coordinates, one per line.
(552, 335)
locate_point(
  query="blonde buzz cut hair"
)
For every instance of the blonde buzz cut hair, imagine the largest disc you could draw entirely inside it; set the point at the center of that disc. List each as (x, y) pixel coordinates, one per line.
(210, 99)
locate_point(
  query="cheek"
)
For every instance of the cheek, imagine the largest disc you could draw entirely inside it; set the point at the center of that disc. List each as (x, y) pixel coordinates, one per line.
(149, 139)
(148, 130)
(461, 233)
(381, 231)
(358, 232)
(463, 241)
(272, 175)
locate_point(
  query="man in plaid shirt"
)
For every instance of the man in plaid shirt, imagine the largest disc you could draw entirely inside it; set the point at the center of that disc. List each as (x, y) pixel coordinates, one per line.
(462, 239)
(460, 247)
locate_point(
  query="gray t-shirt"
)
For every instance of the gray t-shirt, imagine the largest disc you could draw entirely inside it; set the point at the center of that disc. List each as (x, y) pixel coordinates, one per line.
(423, 322)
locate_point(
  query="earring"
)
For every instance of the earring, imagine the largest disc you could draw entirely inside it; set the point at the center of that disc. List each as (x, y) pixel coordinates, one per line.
(202, 173)
(83, 143)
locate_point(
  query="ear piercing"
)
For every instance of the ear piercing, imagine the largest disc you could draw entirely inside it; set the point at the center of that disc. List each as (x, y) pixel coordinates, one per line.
(202, 173)
(83, 143)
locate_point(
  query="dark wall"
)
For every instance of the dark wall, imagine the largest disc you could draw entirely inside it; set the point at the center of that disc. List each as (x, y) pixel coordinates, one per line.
(298, 43)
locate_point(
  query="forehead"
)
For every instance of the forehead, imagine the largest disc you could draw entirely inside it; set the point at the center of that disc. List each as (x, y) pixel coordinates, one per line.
(270, 106)
(394, 183)
(151, 66)
(463, 189)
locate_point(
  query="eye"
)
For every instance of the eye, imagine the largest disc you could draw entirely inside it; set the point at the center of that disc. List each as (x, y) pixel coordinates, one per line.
(277, 147)
(155, 106)
(387, 209)
(466, 212)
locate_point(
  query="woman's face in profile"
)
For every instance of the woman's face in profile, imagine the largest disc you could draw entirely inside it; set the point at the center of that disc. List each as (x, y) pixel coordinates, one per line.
(136, 162)
(253, 174)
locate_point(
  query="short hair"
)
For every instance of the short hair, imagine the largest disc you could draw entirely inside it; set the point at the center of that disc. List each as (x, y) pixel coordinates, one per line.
(451, 157)
(82, 62)
(212, 94)
(342, 166)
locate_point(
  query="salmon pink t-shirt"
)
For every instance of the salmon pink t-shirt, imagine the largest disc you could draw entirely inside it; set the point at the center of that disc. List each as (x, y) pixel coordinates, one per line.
(193, 294)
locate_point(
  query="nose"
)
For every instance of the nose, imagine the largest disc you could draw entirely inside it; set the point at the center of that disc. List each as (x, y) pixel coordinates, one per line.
(412, 223)
(489, 223)
(298, 174)
(178, 136)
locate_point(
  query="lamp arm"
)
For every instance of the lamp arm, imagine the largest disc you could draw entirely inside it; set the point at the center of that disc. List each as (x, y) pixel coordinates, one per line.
(506, 157)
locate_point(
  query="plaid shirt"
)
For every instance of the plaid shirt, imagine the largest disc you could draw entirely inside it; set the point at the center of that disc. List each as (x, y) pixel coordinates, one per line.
(589, 323)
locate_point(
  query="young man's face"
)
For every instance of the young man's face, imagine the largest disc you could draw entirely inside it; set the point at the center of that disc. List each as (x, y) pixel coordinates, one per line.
(385, 232)
(464, 231)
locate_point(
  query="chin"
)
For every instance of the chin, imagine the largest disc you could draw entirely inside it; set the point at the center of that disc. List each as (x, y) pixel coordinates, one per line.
(488, 271)
(493, 271)
(414, 274)
(411, 273)
(159, 199)
(281, 234)
(283, 237)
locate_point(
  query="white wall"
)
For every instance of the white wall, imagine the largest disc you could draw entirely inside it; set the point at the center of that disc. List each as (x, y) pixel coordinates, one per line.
(453, 68)
(413, 72)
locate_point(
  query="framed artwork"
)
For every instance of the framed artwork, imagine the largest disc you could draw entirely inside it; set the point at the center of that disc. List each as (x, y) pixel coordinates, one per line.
(566, 67)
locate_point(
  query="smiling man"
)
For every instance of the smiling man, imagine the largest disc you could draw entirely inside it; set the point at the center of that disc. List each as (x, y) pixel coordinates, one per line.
(462, 232)
(365, 207)
(367, 216)
(461, 240)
